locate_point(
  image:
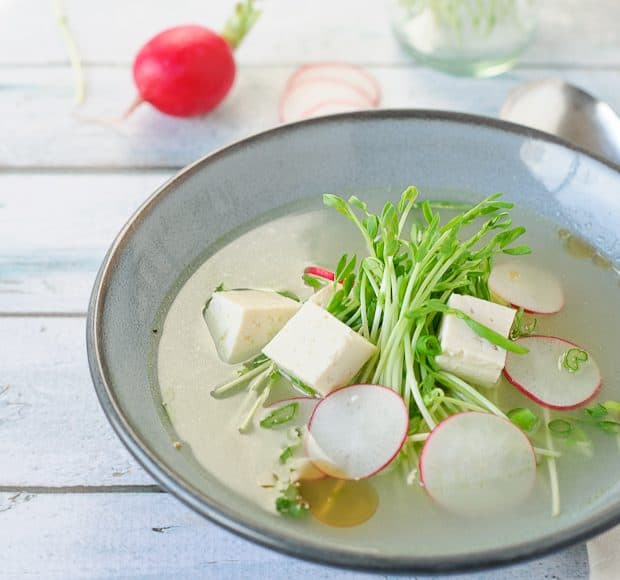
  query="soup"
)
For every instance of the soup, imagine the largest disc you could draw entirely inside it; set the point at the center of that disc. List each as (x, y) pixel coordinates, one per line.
(272, 254)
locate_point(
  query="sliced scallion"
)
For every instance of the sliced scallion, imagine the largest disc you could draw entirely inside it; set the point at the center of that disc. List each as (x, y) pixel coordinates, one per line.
(280, 416)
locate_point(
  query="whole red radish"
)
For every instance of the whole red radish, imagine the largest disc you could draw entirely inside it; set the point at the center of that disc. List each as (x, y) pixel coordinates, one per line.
(188, 70)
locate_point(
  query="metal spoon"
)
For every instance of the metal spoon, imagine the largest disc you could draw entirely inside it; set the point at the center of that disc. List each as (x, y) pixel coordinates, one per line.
(567, 111)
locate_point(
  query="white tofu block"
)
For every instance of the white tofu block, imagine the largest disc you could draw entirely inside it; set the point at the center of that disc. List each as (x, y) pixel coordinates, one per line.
(324, 295)
(318, 349)
(465, 353)
(242, 322)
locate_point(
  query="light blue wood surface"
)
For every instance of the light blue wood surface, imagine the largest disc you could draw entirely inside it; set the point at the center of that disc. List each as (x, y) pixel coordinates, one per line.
(54, 137)
(140, 535)
(72, 501)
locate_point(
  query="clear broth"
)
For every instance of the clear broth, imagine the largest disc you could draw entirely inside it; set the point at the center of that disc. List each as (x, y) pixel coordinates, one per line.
(272, 253)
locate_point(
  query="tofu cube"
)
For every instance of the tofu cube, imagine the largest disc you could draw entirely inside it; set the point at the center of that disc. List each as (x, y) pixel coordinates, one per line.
(324, 295)
(465, 353)
(318, 349)
(242, 322)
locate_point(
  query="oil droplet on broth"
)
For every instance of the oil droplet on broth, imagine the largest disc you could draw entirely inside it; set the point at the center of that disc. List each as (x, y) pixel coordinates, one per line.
(564, 234)
(602, 262)
(340, 503)
(579, 248)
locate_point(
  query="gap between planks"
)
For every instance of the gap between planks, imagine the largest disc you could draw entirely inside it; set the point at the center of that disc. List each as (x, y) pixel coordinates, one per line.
(82, 489)
(43, 314)
(523, 65)
(82, 170)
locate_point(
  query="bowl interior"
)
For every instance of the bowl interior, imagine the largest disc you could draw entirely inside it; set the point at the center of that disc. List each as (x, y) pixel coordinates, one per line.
(189, 214)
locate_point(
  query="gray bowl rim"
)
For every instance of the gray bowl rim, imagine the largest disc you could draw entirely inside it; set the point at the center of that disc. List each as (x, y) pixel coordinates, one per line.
(262, 535)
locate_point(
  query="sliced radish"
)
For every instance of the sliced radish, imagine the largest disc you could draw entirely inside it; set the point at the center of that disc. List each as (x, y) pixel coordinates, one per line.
(304, 96)
(541, 375)
(304, 469)
(525, 286)
(473, 463)
(320, 273)
(346, 73)
(320, 459)
(356, 431)
(332, 108)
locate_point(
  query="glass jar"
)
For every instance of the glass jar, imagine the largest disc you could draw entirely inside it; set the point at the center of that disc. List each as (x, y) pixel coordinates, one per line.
(467, 37)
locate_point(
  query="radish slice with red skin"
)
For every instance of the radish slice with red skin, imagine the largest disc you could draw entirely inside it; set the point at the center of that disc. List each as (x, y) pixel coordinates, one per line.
(476, 463)
(331, 108)
(346, 73)
(323, 462)
(336, 86)
(303, 96)
(525, 286)
(541, 375)
(320, 273)
(357, 431)
(303, 469)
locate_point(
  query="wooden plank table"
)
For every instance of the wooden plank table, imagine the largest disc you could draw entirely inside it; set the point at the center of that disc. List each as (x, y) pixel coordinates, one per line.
(73, 503)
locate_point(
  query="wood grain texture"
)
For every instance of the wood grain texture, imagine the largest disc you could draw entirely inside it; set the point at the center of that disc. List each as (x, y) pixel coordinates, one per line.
(36, 108)
(61, 536)
(572, 32)
(53, 434)
(52, 430)
(54, 231)
(56, 225)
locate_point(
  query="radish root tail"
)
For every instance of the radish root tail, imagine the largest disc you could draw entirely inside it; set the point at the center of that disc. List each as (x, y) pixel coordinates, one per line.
(136, 103)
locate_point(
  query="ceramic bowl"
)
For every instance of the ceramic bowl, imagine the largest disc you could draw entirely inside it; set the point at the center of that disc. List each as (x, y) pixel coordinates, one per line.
(221, 192)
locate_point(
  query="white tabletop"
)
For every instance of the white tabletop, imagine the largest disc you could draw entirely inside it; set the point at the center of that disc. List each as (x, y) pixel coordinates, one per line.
(72, 501)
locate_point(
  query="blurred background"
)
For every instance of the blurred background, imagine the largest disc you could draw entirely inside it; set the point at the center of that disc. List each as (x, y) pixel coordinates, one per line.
(79, 153)
(575, 40)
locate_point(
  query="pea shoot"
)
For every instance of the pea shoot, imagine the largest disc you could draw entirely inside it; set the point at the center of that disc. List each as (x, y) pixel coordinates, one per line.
(396, 295)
